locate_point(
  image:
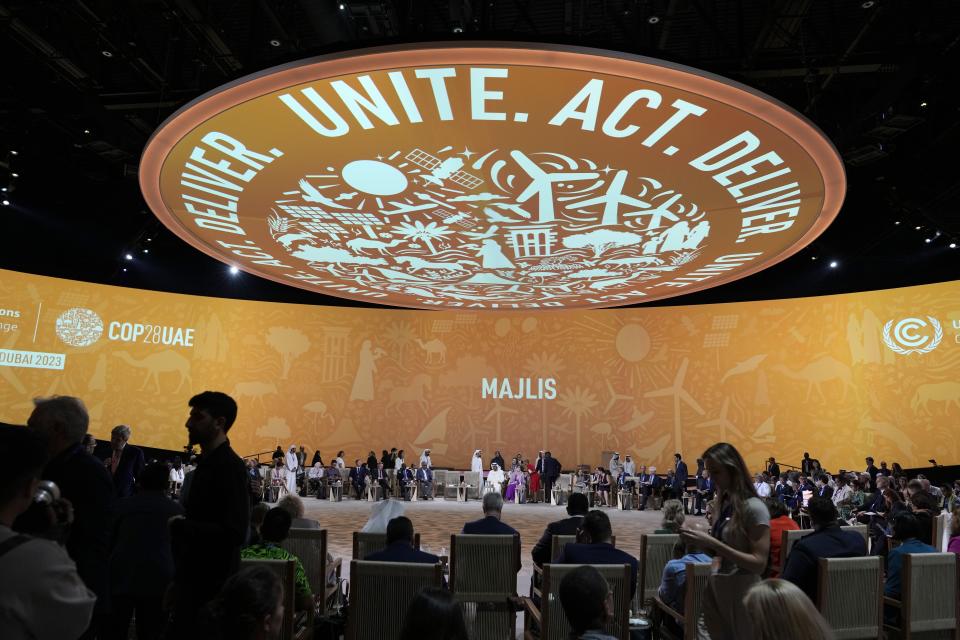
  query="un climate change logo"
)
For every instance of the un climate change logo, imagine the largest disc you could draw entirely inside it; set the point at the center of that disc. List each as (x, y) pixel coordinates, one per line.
(911, 335)
(79, 327)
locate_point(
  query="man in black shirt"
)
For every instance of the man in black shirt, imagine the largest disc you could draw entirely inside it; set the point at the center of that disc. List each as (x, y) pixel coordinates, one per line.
(206, 543)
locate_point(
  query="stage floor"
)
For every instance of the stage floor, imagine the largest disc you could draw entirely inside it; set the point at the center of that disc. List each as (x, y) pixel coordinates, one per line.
(435, 520)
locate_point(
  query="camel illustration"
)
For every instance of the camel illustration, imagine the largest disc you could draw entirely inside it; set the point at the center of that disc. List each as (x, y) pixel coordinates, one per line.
(945, 392)
(360, 244)
(824, 369)
(253, 390)
(157, 363)
(434, 347)
(412, 392)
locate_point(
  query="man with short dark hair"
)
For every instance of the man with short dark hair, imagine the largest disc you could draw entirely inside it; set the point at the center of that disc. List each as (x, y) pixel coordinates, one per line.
(577, 508)
(872, 470)
(206, 542)
(41, 594)
(274, 530)
(62, 421)
(593, 547)
(824, 490)
(828, 540)
(400, 545)
(587, 602)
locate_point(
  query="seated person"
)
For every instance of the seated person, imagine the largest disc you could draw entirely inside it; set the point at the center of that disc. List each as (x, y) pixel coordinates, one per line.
(780, 521)
(400, 545)
(249, 606)
(577, 508)
(673, 517)
(425, 478)
(41, 595)
(674, 580)
(587, 602)
(906, 529)
(649, 485)
(593, 547)
(828, 540)
(406, 480)
(490, 524)
(434, 613)
(273, 531)
(293, 505)
(315, 479)
(257, 513)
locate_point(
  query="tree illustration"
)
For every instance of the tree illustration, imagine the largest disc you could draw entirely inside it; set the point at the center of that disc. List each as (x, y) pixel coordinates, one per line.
(275, 428)
(579, 403)
(544, 365)
(399, 335)
(600, 240)
(425, 233)
(290, 343)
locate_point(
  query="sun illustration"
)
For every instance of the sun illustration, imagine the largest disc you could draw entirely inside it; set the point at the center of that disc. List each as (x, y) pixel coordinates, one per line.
(503, 226)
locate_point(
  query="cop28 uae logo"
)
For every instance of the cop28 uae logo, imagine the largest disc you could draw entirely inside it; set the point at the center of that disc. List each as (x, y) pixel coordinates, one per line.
(912, 335)
(79, 327)
(492, 177)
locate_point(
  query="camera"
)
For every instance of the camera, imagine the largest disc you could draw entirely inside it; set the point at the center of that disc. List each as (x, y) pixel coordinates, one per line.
(47, 493)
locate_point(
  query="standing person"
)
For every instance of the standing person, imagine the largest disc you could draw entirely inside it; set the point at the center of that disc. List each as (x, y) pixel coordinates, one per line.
(316, 458)
(534, 471)
(679, 478)
(498, 458)
(291, 465)
(371, 460)
(339, 460)
(425, 459)
(704, 491)
(773, 469)
(206, 541)
(41, 595)
(476, 463)
(809, 465)
(551, 471)
(739, 542)
(871, 470)
(125, 462)
(278, 454)
(62, 422)
(301, 457)
(141, 566)
(615, 465)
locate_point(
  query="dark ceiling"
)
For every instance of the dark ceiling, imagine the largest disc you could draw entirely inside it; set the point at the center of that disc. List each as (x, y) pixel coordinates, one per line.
(85, 83)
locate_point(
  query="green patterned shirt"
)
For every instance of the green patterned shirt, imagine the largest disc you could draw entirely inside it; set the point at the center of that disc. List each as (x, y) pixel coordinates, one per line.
(269, 551)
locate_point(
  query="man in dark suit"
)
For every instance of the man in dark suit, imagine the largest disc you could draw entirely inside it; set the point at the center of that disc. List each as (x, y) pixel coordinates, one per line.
(873, 471)
(824, 490)
(406, 478)
(380, 477)
(593, 547)
(62, 421)
(828, 540)
(704, 491)
(357, 476)
(125, 463)
(773, 468)
(808, 464)
(577, 508)
(425, 478)
(551, 471)
(490, 524)
(400, 545)
(679, 478)
(649, 483)
(206, 543)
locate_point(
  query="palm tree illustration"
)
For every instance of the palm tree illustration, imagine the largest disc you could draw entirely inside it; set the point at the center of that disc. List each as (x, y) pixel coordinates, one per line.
(399, 334)
(579, 403)
(544, 365)
(425, 233)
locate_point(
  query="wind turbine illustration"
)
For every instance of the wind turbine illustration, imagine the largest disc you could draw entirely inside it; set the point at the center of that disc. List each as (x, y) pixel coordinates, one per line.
(497, 410)
(678, 393)
(614, 396)
(723, 422)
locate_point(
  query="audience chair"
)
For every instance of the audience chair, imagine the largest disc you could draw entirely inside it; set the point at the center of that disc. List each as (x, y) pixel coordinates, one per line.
(788, 539)
(850, 596)
(296, 626)
(656, 550)
(697, 574)
(928, 606)
(557, 542)
(483, 579)
(439, 485)
(940, 537)
(625, 499)
(310, 545)
(473, 481)
(561, 489)
(862, 529)
(365, 543)
(374, 491)
(381, 593)
(335, 489)
(549, 616)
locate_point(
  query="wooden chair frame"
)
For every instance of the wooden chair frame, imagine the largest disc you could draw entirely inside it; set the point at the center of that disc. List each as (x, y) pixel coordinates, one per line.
(542, 614)
(822, 583)
(356, 543)
(661, 608)
(904, 604)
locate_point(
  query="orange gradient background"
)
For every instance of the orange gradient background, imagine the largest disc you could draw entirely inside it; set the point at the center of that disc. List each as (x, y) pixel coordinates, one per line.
(777, 377)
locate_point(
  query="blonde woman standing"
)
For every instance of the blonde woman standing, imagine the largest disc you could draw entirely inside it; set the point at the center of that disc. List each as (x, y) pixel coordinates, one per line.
(739, 542)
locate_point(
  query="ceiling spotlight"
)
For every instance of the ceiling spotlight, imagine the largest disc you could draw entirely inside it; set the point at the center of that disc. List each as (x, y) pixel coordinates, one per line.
(107, 54)
(653, 19)
(86, 131)
(129, 256)
(897, 222)
(342, 6)
(13, 152)
(146, 250)
(867, 4)
(6, 203)
(923, 104)
(918, 228)
(458, 29)
(124, 269)
(834, 264)
(953, 245)
(813, 257)
(234, 270)
(14, 175)
(274, 43)
(4, 189)
(928, 240)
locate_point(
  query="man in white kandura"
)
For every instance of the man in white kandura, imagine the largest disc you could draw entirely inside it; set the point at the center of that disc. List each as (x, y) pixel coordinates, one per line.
(425, 457)
(292, 465)
(495, 478)
(476, 464)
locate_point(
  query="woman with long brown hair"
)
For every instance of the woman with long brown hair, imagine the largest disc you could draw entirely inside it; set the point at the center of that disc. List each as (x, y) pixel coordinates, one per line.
(739, 542)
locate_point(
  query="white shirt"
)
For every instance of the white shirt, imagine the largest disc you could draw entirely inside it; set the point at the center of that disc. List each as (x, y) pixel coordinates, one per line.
(630, 468)
(496, 478)
(340, 463)
(763, 489)
(841, 494)
(292, 462)
(176, 475)
(41, 595)
(476, 463)
(425, 458)
(399, 463)
(316, 472)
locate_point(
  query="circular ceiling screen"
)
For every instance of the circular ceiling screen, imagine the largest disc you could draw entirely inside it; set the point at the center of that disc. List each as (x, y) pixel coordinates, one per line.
(492, 177)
